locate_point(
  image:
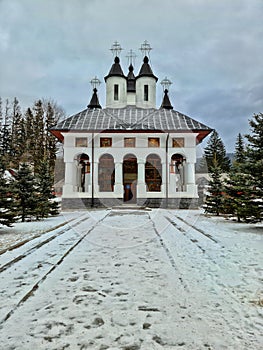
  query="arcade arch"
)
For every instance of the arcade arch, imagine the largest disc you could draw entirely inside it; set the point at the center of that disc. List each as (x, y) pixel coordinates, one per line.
(177, 171)
(83, 172)
(153, 173)
(106, 173)
(130, 175)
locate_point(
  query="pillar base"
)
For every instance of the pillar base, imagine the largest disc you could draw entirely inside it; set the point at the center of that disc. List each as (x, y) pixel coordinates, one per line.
(192, 190)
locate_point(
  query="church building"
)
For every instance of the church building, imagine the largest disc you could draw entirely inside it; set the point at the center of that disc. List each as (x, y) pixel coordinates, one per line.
(132, 151)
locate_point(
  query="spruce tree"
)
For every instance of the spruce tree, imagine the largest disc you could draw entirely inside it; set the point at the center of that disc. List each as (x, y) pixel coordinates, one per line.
(238, 194)
(29, 147)
(38, 134)
(215, 150)
(255, 151)
(25, 195)
(240, 154)
(255, 158)
(1, 113)
(50, 140)
(5, 136)
(7, 214)
(46, 205)
(17, 135)
(214, 198)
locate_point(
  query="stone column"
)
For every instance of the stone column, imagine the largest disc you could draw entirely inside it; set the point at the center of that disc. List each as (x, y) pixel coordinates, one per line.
(95, 179)
(118, 188)
(163, 187)
(70, 178)
(141, 186)
(191, 187)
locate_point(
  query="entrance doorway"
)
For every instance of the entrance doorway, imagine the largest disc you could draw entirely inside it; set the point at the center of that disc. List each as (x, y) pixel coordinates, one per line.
(130, 171)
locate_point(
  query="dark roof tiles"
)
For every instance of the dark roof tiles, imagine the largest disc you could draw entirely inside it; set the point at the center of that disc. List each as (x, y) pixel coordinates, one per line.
(146, 70)
(115, 70)
(129, 118)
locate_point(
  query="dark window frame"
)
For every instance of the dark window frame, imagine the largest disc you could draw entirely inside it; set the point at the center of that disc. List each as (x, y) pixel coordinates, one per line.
(116, 92)
(146, 92)
(153, 142)
(105, 142)
(81, 142)
(178, 142)
(129, 142)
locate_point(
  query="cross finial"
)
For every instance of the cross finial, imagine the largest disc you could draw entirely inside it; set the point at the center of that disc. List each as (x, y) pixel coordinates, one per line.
(95, 82)
(145, 48)
(166, 83)
(116, 49)
(131, 57)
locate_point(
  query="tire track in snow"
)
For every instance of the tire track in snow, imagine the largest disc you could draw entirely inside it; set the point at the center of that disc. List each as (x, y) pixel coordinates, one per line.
(197, 229)
(168, 253)
(30, 293)
(38, 245)
(216, 246)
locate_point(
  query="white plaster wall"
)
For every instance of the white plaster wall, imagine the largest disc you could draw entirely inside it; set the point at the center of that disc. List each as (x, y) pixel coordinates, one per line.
(141, 151)
(151, 82)
(131, 98)
(110, 102)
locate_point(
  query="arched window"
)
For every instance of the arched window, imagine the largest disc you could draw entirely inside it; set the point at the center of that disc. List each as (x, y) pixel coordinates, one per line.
(106, 173)
(153, 173)
(130, 173)
(84, 170)
(176, 163)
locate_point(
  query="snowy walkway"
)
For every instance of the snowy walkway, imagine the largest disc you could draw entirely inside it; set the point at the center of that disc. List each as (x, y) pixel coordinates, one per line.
(135, 280)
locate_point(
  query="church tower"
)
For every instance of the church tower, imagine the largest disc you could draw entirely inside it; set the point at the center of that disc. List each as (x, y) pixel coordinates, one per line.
(146, 82)
(116, 84)
(131, 151)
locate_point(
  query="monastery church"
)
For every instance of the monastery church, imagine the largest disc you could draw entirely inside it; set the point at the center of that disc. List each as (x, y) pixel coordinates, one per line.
(131, 151)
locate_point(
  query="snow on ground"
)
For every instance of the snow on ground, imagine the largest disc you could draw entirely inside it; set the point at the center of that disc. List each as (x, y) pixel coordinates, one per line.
(22, 231)
(130, 280)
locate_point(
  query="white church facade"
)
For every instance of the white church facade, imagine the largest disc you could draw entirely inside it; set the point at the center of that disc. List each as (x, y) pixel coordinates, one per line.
(131, 151)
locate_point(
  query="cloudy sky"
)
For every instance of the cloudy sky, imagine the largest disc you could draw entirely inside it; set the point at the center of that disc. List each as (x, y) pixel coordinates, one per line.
(211, 50)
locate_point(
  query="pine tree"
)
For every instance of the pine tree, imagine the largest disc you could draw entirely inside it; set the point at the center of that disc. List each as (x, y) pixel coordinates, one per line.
(255, 151)
(215, 149)
(25, 195)
(255, 158)
(29, 147)
(5, 136)
(38, 134)
(238, 194)
(1, 113)
(7, 214)
(214, 199)
(46, 205)
(17, 135)
(240, 154)
(50, 140)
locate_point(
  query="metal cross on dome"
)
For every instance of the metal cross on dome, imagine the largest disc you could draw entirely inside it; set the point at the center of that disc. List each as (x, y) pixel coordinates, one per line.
(131, 57)
(116, 49)
(166, 84)
(145, 48)
(95, 82)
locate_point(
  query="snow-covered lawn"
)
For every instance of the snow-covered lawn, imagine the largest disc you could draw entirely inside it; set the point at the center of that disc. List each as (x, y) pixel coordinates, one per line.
(22, 231)
(127, 279)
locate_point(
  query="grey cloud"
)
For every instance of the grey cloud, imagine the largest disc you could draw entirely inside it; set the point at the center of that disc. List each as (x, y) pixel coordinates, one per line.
(211, 50)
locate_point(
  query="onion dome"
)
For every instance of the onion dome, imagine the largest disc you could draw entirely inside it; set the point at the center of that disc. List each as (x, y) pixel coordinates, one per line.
(115, 69)
(146, 70)
(131, 80)
(166, 104)
(94, 102)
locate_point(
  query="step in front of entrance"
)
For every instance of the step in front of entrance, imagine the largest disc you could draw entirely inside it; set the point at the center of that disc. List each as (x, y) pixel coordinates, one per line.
(131, 207)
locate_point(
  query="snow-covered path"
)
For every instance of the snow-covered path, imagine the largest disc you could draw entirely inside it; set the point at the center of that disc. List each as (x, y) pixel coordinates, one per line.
(134, 280)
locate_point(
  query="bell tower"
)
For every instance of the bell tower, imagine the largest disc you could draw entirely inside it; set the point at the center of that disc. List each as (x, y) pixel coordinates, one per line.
(116, 89)
(146, 81)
